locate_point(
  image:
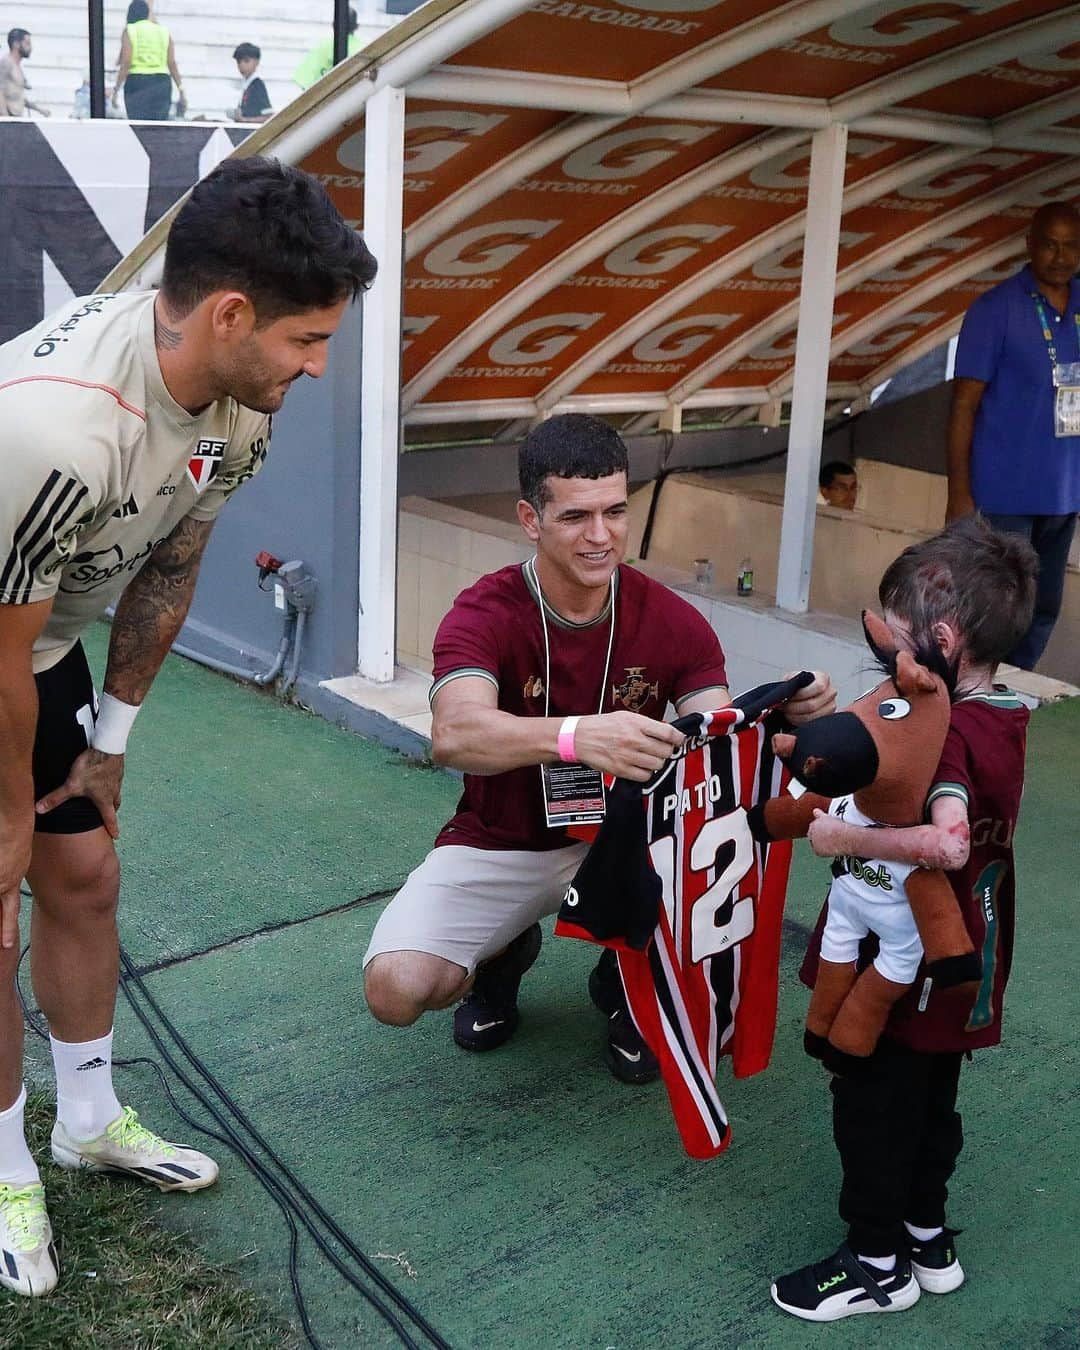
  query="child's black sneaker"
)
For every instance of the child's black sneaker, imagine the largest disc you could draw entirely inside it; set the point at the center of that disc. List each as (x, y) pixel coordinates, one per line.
(488, 1016)
(935, 1264)
(841, 1286)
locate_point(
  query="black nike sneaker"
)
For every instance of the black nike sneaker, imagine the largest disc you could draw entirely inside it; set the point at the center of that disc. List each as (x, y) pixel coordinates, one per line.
(488, 1015)
(626, 1054)
(841, 1286)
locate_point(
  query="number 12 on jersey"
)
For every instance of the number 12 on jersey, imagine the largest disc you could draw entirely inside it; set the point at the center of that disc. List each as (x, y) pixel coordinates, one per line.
(719, 917)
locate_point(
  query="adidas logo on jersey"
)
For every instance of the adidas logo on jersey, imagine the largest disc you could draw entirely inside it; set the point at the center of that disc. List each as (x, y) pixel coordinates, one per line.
(129, 508)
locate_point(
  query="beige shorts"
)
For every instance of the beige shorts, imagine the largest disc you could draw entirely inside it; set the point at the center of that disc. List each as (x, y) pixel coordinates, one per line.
(464, 904)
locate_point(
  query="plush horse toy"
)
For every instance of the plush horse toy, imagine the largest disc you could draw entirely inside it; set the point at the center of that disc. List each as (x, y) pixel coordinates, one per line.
(873, 764)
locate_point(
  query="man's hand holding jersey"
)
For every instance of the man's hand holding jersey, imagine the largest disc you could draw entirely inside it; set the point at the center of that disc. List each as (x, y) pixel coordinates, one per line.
(625, 744)
(816, 700)
(469, 732)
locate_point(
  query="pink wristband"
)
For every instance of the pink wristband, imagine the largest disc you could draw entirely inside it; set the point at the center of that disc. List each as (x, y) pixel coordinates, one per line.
(566, 740)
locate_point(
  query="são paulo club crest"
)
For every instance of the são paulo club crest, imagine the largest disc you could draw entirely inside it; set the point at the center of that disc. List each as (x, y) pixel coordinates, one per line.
(635, 691)
(204, 463)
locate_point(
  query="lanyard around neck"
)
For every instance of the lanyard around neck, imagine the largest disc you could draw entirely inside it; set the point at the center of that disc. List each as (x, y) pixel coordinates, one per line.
(531, 564)
(1047, 331)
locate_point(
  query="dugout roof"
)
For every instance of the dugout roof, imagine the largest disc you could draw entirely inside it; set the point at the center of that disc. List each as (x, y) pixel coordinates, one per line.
(604, 203)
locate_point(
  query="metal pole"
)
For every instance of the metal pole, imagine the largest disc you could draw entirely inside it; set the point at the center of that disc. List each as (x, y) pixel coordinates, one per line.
(97, 58)
(824, 208)
(341, 30)
(380, 382)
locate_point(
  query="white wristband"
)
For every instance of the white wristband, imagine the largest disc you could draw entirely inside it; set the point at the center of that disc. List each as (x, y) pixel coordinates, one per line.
(113, 725)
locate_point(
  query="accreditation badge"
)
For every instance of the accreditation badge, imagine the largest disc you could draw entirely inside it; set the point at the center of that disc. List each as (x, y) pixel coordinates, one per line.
(573, 794)
(1067, 399)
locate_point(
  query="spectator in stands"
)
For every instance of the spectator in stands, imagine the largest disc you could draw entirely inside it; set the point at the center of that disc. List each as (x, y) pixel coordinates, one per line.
(146, 68)
(1014, 430)
(13, 81)
(321, 57)
(254, 105)
(838, 485)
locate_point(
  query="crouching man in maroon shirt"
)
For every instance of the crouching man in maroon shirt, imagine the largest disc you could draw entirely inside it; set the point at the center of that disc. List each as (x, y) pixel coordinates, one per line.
(547, 674)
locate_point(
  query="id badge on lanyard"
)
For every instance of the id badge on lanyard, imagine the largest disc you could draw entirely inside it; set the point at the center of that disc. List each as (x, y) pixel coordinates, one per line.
(1065, 375)
(1067, 399)
(573, 793)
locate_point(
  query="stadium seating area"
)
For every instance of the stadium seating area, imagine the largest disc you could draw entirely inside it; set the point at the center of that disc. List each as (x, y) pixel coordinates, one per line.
(205, 34)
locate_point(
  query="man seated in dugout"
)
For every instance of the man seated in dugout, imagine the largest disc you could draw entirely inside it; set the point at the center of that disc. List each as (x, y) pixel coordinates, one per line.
(546, 675)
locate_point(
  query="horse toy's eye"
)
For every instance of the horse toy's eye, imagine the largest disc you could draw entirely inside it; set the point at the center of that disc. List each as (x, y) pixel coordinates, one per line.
(893, 709)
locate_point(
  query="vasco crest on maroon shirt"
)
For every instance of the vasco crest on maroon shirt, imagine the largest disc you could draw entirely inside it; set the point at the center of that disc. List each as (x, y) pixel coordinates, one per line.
(662, 651)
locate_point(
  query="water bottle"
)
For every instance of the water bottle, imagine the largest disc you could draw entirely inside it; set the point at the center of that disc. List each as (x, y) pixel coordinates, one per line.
(82, 101)
(744, 582)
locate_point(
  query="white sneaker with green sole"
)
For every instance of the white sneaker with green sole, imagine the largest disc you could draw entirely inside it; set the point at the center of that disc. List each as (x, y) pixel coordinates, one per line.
(28, 1263)
(128, 1147)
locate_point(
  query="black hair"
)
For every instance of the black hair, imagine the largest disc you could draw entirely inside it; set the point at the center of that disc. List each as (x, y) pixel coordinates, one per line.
(352, 20)
(137, 11)
(16, 35)
(268, 230)
(247, 51)
(571, 445)
(833, 469)
(979, 580)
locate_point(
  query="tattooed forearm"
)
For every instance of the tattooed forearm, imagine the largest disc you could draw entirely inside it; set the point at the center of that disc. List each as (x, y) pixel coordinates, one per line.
(152, 610)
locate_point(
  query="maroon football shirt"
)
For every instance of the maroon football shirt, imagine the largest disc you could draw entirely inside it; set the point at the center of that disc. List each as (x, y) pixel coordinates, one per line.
(982, 764)
(664, 651)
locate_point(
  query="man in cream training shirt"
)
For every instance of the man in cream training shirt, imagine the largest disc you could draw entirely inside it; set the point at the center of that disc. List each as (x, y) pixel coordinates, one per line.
(126, 423)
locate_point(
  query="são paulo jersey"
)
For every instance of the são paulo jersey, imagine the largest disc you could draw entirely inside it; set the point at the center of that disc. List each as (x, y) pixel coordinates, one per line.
(982, 764)
(100, 463)
(663, 651)
(676, 884)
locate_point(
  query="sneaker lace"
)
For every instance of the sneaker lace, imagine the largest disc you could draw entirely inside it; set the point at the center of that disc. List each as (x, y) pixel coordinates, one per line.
(25, 1216)
(126, 1133)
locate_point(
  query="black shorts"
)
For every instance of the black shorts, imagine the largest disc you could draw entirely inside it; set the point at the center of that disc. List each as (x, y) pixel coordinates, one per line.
(66, 707)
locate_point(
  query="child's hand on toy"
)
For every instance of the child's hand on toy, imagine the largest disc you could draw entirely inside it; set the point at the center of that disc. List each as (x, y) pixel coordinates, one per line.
(826, 835)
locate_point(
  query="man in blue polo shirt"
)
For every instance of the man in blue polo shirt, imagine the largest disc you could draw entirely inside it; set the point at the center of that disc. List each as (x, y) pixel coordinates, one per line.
(1014, 428)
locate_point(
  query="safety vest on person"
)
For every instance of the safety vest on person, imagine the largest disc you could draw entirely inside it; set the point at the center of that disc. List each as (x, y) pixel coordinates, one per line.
(149, 48)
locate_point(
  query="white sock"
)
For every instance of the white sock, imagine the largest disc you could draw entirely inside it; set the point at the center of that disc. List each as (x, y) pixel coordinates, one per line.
(17, 1165)
(922, 1234)
(886, 1264)
(85, 1100)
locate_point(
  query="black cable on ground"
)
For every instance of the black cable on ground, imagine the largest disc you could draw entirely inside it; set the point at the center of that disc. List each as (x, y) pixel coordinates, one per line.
(286, 1202)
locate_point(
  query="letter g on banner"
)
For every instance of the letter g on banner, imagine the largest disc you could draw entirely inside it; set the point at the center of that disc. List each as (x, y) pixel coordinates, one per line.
(539, 339)
(626, 154)
(485, 248)
(681, 337)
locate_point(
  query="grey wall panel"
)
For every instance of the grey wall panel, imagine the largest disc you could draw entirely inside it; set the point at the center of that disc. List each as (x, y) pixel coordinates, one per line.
(304, 504)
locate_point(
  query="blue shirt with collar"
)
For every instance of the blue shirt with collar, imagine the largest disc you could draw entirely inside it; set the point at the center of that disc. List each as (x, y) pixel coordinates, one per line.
(1018, 465)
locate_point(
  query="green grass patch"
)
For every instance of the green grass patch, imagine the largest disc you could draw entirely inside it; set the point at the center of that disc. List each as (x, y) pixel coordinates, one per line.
(126, 1283)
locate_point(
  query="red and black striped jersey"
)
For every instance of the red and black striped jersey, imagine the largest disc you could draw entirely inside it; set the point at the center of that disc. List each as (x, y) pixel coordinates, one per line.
(693, 905)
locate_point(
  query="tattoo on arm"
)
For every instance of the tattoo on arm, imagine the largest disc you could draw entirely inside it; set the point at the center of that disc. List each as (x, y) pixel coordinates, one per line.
(152, 610)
